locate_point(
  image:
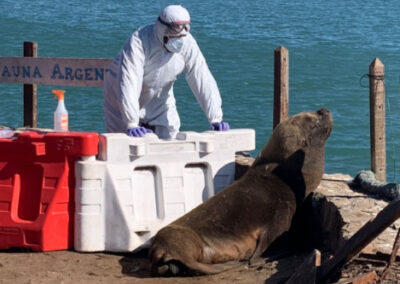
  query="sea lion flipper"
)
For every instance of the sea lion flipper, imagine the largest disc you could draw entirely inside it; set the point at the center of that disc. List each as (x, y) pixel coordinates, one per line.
(191, 267)
(262, 243)
(279, 223)
(204, 268)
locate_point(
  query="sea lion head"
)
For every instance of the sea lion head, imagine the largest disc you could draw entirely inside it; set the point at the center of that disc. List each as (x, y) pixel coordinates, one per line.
(297, 144)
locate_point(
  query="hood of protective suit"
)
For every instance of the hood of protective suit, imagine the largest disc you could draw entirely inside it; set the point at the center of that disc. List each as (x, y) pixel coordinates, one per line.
(171, 14)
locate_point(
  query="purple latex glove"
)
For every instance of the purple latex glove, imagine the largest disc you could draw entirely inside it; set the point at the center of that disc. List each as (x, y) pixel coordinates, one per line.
(138, 131)
(219, 126)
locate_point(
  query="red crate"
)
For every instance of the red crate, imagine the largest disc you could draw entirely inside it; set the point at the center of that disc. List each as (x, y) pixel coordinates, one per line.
(37, 182)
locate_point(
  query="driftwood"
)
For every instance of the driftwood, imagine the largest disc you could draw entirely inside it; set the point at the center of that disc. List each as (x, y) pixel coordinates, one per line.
(359, 240)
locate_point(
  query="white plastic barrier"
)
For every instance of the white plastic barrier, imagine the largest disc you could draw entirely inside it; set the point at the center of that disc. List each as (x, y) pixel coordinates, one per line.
(139, 185)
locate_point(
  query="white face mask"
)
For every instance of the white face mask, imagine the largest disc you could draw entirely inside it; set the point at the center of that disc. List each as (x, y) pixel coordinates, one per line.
(174, 44)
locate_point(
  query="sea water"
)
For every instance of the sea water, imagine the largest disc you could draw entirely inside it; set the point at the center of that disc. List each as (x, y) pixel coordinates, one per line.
(331, 45)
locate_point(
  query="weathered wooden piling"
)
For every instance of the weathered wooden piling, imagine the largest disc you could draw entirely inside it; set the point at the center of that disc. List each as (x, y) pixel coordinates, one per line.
(281, 85)
(377, 119)
(30, 90)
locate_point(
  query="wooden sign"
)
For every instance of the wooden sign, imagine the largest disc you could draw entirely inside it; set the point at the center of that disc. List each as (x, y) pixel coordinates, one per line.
(89, 72)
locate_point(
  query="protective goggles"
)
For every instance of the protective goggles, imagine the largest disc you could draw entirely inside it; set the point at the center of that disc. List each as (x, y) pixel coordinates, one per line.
(175, 28)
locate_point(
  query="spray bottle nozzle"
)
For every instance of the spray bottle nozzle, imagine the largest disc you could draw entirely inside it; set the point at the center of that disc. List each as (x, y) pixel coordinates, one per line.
(59, 94)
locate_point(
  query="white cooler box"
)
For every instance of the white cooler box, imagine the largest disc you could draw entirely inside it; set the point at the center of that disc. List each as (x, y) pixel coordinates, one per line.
(139, 185)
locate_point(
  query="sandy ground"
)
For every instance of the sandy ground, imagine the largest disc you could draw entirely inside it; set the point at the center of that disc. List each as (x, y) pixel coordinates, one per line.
(72, 267)
(20, 266)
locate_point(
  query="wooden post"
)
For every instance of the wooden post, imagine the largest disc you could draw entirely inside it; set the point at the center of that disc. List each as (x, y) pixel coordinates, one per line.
(377, 119)
(281, 85)
(30, 90)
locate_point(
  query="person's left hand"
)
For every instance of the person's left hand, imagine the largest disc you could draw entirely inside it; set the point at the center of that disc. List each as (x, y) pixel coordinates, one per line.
(219, 126)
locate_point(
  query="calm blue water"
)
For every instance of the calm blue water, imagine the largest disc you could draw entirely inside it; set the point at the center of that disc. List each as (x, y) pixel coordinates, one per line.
(331, 45)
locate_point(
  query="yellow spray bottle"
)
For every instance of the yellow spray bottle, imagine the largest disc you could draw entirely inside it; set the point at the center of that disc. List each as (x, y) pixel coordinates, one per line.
(60, 114)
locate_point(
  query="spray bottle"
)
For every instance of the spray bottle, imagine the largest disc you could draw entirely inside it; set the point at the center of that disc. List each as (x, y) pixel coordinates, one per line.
(60, 114)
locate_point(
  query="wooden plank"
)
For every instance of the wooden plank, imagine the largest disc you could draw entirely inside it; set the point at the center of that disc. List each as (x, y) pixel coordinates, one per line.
(89, 72)
(30, 90)
(281, 85)
(377, 119)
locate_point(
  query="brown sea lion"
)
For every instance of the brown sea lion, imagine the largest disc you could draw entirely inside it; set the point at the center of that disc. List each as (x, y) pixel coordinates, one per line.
(241, 221)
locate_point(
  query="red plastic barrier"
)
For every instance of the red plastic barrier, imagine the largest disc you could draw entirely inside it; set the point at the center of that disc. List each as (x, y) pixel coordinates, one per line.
(37, 181)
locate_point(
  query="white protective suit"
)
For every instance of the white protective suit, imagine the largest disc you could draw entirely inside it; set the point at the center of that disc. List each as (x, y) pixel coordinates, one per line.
(138, 89)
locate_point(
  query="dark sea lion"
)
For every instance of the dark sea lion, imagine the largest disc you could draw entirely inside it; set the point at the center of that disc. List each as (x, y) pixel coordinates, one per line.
(241, 221)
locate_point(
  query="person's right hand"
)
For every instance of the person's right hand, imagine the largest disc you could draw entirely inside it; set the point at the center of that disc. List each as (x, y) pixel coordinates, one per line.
(138, 131)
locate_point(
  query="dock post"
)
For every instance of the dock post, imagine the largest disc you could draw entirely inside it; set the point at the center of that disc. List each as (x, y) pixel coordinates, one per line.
(377, 119)
(281, 85)
(30, 90)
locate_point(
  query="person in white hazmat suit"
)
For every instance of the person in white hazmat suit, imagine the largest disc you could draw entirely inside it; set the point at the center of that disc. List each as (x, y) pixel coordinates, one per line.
(138, 89)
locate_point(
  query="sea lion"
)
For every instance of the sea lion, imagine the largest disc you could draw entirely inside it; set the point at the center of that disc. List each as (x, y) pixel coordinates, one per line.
(241, 221)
